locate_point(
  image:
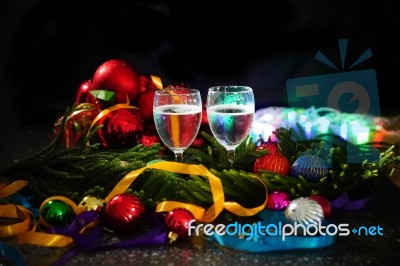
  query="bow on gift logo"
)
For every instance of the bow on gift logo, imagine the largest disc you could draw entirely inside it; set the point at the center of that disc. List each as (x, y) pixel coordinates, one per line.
(346, 91)
(352, 92)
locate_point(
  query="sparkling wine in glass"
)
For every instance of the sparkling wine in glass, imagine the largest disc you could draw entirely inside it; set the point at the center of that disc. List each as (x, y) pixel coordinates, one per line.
(230, 111)
(177, 117)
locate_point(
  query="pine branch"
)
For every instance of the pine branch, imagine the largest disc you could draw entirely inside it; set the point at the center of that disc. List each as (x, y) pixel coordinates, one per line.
(214, 156)
(78, 169)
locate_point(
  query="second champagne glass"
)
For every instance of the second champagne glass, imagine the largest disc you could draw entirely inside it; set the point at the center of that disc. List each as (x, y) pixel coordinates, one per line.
(230, 112)
(177, 117)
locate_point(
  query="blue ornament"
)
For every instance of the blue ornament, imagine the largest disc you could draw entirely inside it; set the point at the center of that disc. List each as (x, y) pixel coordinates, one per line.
(311, 167)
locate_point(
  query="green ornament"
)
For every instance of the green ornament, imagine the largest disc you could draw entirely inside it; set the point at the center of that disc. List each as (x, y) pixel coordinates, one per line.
(57, 213)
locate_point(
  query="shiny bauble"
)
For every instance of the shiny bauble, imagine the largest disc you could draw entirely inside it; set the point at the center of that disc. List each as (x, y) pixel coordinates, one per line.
(122, 128)
(150, 139)
(145, 104)
(273, 162)
(270, 146)
(278, 201)
(123, 213)
(177, 222)
(119, 76)
(325, 204)
(304, 211)
(57, 213)
(83, 94)
(311, 167)
(90, 203)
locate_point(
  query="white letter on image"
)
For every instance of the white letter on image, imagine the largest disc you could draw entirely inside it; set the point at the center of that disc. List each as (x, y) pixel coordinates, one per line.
(220, 229)
(344, 231)
(191, 227)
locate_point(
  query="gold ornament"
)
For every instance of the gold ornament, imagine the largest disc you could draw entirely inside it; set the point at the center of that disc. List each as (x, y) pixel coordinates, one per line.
(90, 203)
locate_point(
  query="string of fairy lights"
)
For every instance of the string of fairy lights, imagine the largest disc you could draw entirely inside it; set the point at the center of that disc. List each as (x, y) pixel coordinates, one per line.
(357, 128)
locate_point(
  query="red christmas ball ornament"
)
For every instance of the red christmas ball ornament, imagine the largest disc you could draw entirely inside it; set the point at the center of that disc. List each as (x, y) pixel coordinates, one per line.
(177, 222)
(146, 83)
(271, 146)
(150, 139)
(198, 142)
(123, 213)
(122, 128)
(325, 204)
(145, 104)
(273, 162)
(119, 76)
(83, 94)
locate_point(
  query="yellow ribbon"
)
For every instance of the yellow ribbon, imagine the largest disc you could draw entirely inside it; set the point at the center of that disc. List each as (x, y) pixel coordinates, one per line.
(198, 212)
(157, 82)
(18, 217)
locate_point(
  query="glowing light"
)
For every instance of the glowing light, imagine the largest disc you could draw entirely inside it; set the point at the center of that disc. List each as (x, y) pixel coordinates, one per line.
(323, 125)
(315, 121)
(343, 130)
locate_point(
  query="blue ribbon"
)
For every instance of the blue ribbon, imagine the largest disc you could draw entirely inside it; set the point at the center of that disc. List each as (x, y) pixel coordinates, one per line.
(19, 199)
(12, 254)
(267, 243)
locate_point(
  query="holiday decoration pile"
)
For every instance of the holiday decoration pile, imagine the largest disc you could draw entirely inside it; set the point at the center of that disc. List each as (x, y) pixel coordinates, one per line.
(101, 160)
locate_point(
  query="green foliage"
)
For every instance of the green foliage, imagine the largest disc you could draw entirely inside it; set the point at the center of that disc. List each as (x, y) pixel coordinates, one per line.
(76, 170)
(214, 156)
(90, 170)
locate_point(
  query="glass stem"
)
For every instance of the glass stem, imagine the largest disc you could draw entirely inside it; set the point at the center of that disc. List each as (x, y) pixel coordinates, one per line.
(231, 157)
(178, 156)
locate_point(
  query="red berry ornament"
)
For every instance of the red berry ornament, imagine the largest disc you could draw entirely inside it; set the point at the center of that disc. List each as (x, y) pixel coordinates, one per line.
(273, 162)
(119, 76)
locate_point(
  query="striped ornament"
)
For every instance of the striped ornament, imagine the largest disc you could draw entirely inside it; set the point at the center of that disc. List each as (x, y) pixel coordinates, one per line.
(311, 167)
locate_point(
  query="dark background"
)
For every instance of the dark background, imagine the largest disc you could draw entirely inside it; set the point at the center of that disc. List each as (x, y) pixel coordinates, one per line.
(49, 47)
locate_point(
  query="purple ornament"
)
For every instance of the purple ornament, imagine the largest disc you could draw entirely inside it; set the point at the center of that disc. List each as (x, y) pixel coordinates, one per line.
(278, 201)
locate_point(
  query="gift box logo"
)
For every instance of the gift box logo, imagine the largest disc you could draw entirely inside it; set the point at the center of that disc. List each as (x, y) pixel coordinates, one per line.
(347, 91)
(350, 92)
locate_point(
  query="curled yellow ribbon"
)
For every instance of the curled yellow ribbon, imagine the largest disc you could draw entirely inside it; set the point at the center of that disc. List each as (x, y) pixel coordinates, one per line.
(18, 217)
(198, 212)
(157, 82)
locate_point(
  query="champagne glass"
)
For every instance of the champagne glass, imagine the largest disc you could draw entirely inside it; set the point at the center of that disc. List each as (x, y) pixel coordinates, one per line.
(177, 117)
(230, 112)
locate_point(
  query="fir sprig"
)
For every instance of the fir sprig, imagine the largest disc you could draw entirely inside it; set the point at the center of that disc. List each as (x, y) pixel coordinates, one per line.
(75, 170)
(214, 156)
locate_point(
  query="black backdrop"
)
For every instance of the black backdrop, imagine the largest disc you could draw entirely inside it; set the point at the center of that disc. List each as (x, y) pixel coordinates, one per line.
(48, 47)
